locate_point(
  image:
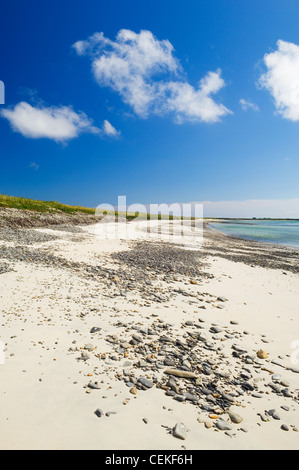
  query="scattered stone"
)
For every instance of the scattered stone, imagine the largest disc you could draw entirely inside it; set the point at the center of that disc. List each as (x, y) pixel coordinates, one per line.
(180, 431)
(235, 418)
(262, 354)
(223, 425)
(146, 382)
(180, 373)
(215, 329)
(95, 329)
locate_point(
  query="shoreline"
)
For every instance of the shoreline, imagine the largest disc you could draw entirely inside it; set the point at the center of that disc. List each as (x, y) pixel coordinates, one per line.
(274, 245)
(92, 327)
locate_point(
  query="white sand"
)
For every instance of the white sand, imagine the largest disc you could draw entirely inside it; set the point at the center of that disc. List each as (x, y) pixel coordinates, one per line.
(44, 404)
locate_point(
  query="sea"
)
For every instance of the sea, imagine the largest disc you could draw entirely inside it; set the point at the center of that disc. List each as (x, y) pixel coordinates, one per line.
(282, 232)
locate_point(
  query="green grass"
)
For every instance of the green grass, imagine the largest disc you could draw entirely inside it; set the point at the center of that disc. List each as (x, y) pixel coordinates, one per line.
(41, 206)
(33, 205)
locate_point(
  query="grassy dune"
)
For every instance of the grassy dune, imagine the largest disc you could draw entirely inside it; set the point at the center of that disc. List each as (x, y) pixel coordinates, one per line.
(23, 203)
(41, 206)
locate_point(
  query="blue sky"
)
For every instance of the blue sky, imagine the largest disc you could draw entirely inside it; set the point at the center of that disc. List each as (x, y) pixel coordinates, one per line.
(161, 101)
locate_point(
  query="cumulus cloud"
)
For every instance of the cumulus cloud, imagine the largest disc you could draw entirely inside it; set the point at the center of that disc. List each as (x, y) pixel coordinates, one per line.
(247, 104)
(145, 73)
(56, 123)
(189, 103)
(109, 130)
(282, 78)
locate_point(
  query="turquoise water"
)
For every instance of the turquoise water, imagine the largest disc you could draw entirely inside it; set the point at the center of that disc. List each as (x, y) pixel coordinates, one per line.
(284, 232)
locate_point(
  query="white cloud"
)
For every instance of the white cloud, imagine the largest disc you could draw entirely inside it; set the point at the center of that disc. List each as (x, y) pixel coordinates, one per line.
(148, 77)
(188, 103)
(109, 130)
(56, 123)
(247, 104)
(282, 78)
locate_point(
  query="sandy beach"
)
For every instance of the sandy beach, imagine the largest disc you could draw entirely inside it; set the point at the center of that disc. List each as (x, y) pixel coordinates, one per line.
(141, 343)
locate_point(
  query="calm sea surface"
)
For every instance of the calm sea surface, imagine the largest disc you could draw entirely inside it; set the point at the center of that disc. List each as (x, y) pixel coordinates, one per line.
(284, 232)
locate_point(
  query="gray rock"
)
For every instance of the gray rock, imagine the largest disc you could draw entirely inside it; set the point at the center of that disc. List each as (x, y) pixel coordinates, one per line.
(179, 397)
(146, 382)
(99, 413)
(215, 329)
(180, 431)
(191, 397)
(256, 395)
(137, 338)
(275, 387)
(286, 393)
(95, 329)
(223, 425)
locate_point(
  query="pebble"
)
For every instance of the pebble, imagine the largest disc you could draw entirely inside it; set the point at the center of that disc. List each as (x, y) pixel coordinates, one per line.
(180, 373)
(179, 431)
(208, 424)
(235, 418)
(262, 354)
(146, 382)
(223, 425)
(95, 329)
(216, 329)
(99, 413)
